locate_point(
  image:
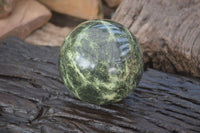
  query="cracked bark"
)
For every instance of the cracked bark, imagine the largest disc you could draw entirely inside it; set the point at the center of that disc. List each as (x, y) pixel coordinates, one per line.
(169, 32)
(33, 98)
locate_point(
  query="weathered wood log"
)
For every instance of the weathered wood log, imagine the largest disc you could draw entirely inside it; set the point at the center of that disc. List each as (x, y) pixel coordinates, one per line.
(33, 99)
(169, 32)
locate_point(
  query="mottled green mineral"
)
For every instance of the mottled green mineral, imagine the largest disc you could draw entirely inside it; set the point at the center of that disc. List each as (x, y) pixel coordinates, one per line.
(101, 62)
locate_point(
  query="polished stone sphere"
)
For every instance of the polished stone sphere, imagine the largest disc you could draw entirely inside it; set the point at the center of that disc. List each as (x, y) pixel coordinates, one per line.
(101, 62)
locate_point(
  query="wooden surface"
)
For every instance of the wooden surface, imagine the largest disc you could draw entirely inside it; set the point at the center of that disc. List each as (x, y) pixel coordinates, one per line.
(27, 16)
(33, 99)
(169, 32)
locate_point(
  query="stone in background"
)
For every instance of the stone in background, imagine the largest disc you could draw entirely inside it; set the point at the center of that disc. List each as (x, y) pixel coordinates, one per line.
(27, 16)
(113, 3)
(85, 9)
(49, 34)
(6, 7)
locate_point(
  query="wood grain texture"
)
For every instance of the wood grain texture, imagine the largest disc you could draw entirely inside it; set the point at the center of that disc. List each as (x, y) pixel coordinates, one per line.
(169, 32)
(33, 99)
(27, 16)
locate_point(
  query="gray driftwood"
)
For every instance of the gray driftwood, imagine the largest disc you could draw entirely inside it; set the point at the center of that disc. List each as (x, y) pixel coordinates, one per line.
(33, 99)
(168, 30)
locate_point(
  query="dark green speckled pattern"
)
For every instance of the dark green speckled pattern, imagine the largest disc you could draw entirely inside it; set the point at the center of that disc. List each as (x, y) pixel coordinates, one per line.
(101, 62)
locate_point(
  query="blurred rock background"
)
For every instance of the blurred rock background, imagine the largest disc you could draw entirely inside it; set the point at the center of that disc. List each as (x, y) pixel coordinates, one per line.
(47, 22)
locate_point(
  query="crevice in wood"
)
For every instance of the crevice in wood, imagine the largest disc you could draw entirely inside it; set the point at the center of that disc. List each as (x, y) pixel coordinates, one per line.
(41, 103)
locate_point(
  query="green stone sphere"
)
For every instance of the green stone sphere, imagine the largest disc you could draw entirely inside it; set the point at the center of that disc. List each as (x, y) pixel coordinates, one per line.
(101, 62)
